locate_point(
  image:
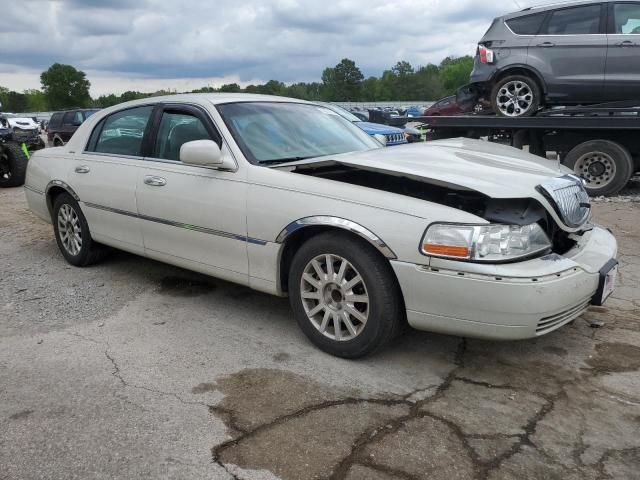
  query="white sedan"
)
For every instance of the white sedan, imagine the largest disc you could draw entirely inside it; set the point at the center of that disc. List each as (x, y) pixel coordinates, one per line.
(459, 236)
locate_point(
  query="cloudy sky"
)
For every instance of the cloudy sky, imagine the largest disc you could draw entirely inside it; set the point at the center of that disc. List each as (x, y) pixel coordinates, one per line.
(148, 45)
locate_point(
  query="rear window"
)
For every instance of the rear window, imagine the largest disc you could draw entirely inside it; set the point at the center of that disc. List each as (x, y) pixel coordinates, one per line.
(583, 20)
(528, 25)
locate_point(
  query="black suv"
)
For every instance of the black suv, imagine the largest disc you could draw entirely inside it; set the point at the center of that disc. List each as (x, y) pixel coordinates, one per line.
(576, 52)
(63, 125)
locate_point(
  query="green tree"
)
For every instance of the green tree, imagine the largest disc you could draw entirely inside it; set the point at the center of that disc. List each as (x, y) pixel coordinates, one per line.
(455, 72)
(36, 101)
(343, 82)
(230, 88)
(65, 87)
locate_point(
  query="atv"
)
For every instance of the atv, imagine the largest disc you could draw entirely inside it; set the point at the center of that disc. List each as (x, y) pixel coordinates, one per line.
(14, 156)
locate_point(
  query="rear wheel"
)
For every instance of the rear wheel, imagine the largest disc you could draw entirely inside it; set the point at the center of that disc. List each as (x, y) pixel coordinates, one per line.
(344, 295)
(13, 165)
(605, 166)
(516, 96)
(72, 233)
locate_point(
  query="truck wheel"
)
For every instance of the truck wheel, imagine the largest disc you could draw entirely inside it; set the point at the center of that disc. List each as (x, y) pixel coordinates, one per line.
(605, 166)
(516, 96)
(72, 233)
(344, 295)
(13, 165)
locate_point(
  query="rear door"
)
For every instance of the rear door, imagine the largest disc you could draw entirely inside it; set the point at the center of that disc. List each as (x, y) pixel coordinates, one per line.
(105, 175)
(571, 52)
(622, 78)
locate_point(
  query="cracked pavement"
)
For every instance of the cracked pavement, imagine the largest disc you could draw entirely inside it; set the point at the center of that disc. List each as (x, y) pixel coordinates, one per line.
(135, 369)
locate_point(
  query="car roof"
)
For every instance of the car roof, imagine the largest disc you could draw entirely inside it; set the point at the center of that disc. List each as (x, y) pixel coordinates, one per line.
(213, 98)
(552, 6)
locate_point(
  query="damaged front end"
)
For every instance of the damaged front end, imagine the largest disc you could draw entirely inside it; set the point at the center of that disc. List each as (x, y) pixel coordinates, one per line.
(518, 228)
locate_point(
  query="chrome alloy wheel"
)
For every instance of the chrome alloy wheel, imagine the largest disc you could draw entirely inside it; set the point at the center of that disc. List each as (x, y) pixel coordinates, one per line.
(334, 297)
(69, 229)
(515, 98)
(597, 169)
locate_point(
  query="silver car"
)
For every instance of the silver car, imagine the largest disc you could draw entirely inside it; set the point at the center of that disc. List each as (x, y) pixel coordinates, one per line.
(569, 53)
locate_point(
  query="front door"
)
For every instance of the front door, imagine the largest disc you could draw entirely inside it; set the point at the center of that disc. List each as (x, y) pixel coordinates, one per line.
(190, 215)
(622, 77)
(571, 52)
(105, 177)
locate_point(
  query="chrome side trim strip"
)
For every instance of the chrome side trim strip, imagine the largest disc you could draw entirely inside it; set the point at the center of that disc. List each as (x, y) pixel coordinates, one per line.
(341, 223)
(34, 190)
(186, 226)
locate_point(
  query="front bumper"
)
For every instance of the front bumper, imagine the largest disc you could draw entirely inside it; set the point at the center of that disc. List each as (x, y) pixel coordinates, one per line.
(509, 301)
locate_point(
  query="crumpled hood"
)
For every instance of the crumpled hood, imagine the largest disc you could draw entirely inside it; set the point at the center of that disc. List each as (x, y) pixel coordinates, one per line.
(377, 128)
(24, 123)
(495, 170)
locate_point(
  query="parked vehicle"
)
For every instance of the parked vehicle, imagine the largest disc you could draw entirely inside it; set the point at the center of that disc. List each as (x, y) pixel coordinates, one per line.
(393, 135)
(362, 115)
(13, 156)
(567, 53)
(461, 237)
(414, 111)
(600, 143)
(25, 130)
(63, 125)
(446, 106)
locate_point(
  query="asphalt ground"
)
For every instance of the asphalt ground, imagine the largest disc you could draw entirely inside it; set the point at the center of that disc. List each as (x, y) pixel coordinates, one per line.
(136, 369)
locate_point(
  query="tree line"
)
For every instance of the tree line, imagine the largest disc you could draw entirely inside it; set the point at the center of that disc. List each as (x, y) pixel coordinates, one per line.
(63, 86)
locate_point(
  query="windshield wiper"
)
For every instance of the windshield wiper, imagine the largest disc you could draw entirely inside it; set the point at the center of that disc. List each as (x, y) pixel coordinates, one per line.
(283, 160)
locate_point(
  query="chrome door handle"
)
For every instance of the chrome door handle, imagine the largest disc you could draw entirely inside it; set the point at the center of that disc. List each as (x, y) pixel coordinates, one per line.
(546, 45)
(82, 169)
(626, 43)
(154, 181)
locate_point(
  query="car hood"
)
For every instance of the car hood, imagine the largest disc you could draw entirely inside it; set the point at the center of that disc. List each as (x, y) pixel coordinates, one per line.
(24, 123)
(495, 170)
(377, 128)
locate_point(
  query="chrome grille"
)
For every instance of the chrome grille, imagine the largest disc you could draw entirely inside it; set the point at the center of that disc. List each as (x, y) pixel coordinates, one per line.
(395, 138)
(569, 198)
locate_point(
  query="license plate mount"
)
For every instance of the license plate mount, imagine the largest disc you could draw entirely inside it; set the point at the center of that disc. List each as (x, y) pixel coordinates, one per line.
(607, 283)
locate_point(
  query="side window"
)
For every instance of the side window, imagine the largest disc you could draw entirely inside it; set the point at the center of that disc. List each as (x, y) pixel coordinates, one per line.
(627, 18)
(175, 130)
(78, 118)
(67, 120)
(528, 25)
(583, 20)
(121, 133)
(55, 120)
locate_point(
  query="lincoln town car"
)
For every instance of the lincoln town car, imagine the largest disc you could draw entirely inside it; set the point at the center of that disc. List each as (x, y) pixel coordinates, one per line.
(458, 236)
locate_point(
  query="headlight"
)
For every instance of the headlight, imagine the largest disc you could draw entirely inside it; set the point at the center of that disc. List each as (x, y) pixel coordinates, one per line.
(484, 243)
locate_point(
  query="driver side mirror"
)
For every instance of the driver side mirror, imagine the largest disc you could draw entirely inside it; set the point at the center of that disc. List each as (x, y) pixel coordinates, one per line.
(204, 153)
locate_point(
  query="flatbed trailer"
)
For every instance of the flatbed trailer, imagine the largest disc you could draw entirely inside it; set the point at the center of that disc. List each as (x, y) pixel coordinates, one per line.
(601, 143)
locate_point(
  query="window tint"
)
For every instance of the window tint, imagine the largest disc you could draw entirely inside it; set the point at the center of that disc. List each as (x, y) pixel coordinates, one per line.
(575, 21)
(627, 18)
(55, 120)
(121, 133)
(175, 130)
(68, 118)
(529, 25)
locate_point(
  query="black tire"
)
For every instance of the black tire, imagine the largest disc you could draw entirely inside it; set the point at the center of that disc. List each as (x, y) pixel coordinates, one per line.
(591, 158)
(57, 142)
(386, 313)
(527, 82)
(89, 252)
(13, 165)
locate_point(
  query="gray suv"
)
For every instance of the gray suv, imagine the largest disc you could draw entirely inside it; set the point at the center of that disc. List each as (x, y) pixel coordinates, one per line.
(563, 54)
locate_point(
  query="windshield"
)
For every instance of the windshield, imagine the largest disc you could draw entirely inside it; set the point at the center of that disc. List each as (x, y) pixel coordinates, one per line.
(281, 132)
(342, 112)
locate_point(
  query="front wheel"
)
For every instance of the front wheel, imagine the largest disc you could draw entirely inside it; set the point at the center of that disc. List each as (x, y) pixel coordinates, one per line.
(516, 96)
(344, 295)
(13, 165)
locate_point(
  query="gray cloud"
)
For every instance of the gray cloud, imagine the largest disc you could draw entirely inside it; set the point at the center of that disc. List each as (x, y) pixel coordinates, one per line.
(289, 40)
